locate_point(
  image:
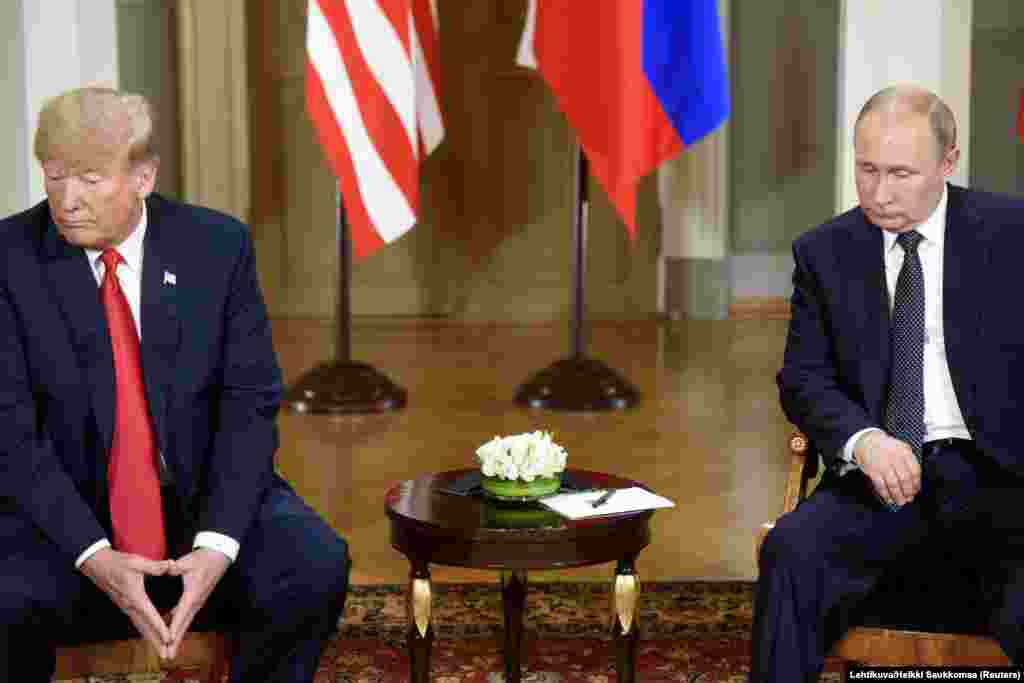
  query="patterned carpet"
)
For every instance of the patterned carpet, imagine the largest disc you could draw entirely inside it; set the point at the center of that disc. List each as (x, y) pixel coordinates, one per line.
(692, 632)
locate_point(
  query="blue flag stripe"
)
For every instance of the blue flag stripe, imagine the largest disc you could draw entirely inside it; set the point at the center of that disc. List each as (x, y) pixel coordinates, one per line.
(684, 61)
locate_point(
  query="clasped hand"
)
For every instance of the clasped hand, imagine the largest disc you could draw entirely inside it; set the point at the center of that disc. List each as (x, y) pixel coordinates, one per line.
(122, 575)
(890, 465)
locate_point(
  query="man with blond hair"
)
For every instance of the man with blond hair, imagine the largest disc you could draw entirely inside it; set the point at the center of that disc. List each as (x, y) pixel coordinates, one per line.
(138, 396)
(904, 365)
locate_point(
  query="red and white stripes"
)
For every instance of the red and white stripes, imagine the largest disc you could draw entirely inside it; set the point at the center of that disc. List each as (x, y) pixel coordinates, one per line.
(372, 75)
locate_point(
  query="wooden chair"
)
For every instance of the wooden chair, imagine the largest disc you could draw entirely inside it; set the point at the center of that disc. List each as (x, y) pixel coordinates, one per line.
(202, 656)
(879, 644)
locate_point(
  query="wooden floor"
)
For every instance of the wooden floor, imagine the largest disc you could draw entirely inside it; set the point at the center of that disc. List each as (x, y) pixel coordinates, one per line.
(708, 432)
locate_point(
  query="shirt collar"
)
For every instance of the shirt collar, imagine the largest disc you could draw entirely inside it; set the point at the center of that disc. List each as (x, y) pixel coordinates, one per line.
(933, 229)
(130, 250)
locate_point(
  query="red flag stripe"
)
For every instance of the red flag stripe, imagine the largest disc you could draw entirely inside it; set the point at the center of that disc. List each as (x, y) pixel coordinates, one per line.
(397, 12)
(426, 58)
(379, 116)
(426, 30)
(365, 238)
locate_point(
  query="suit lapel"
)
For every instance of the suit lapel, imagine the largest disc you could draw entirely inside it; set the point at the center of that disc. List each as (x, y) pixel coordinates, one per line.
(77, 295)
(159, 313)
(868, 288)
(965, 256)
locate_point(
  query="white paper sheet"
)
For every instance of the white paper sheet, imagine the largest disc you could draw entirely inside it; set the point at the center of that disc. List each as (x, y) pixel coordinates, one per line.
(579, 505)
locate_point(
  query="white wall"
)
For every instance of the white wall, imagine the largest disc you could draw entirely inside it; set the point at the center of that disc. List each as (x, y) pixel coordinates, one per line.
(882, 42)
(13, 116)
(49, 46)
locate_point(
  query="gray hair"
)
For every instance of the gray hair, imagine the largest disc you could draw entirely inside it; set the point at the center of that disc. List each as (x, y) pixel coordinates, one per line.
(910, 98)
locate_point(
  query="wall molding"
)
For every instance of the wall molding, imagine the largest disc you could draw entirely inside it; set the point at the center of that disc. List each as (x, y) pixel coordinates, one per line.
(759, 308)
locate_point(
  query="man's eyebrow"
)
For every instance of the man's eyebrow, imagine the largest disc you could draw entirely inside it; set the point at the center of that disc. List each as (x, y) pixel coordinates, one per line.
(897, 168)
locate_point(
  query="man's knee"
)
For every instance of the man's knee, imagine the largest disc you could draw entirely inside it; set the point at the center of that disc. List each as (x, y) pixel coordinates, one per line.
(786, 546)
(314, 577)
(331, 568)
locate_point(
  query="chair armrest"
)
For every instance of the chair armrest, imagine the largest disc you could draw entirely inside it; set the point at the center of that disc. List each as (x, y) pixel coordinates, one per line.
(803, 468)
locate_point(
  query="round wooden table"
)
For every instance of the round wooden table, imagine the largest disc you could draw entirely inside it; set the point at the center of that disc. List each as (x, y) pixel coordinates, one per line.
(430, 526)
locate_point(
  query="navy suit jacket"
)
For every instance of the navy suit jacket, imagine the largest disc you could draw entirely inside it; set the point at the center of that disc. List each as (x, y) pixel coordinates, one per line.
(212, 380)
(835, 372)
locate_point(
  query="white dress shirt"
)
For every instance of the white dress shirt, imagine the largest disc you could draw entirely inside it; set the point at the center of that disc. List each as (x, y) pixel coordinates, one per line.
(942, 416)
(129, 274)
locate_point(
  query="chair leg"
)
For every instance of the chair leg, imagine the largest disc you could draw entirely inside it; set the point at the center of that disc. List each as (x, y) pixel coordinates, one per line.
(215, 666)
(218, 667)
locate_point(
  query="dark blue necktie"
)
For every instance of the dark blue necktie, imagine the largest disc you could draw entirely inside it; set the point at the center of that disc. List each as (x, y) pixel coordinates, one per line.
(904, 413)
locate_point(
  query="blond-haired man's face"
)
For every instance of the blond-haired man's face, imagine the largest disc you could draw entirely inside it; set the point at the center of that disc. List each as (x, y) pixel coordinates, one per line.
(96, 199)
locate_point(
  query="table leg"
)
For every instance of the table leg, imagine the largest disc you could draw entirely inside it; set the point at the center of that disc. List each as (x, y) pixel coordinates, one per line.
(420, 637)
(513, 595)
(625, 627)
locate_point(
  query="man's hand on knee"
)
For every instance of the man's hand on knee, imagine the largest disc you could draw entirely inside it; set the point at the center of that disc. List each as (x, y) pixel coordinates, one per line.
(121, 576)
(890, 464)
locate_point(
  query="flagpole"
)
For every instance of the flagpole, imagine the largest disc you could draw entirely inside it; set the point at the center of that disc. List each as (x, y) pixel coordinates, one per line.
(340, 386)
(581, 217)
(343, 300)
(578, 383)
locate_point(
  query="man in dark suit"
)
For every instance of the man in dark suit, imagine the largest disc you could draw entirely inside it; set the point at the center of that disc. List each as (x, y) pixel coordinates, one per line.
(904, 365)
(137, 478)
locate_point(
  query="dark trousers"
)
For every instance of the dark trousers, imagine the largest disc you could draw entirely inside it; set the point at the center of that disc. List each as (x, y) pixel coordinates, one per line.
(282, 598)
(823, 559)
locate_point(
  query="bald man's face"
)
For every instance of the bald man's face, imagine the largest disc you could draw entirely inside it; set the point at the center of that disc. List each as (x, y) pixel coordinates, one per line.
(900, 171)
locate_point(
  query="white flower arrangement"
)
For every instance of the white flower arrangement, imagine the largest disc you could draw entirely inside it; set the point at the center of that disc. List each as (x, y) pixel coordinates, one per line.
(523, 457)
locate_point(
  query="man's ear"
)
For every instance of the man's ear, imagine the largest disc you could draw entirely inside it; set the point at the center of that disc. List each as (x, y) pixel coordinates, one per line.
(145, 175)
(949, 161)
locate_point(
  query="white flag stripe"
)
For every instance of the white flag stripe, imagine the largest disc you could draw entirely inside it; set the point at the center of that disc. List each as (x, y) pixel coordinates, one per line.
(385, 55)
(385, 202)
(526, 55)
(427, 109)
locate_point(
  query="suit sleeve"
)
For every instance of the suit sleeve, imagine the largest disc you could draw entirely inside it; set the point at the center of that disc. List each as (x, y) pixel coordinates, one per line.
(812, 391)
(241, 466)
(32, 477)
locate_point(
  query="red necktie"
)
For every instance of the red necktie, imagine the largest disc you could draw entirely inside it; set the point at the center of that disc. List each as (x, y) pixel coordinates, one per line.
(132, 476)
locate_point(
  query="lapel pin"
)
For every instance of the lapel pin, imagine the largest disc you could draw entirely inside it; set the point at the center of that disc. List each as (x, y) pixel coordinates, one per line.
(170, 278)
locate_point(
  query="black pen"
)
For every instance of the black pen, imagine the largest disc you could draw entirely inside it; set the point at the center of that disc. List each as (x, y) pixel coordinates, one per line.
(605, 497)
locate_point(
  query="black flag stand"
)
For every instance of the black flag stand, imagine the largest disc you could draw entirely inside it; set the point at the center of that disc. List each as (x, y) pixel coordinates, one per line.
(578, 383)
(341, 386)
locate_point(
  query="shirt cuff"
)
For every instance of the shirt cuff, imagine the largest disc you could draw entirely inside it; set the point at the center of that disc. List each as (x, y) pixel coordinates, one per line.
(847, 452)
(220, 542)
(90, 551)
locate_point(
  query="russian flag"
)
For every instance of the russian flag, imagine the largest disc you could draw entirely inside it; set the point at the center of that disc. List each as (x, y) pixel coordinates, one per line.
(636, 79)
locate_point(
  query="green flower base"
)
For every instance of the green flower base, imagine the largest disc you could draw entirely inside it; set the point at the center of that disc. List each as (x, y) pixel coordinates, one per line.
(519, 515)
(513, 489)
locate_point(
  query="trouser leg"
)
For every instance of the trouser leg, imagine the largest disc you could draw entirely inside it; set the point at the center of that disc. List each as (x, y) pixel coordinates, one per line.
(289, 585)
(818, 563)
(39, 593)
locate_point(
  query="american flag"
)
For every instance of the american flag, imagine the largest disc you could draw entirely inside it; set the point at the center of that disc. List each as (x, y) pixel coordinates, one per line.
(372, 75)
